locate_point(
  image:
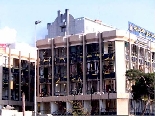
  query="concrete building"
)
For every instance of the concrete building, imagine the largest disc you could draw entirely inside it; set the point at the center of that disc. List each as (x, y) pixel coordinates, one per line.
(17, 75)
(88, 69)
(66, 24)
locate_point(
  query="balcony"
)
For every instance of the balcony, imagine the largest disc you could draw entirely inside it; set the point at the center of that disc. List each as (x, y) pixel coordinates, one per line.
(134, 59)
(92, 57)
(14, 71)
(76, 78)
(108, 56)
(141, 61)
(73, 60)
(5, 70)
(46, 61)
(80, 58)
(60, 93)
(42, 80)
(127, 57)
(5, 81)
(60, 79)
(109, 75)
(92, 77)
(60, 61)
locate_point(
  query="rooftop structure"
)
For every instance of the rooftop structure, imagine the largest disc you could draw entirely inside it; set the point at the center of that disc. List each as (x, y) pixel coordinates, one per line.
(66, 24)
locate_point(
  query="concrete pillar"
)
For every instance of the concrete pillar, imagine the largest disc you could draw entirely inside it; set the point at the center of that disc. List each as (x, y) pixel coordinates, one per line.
(120, 66)
(84, 65)
(87, 106)
(101, 64)
(138, 54)
(150, 58)
(10, 76)
(122, 106)
(29, 76)
(42, 108)
(130, 51)
(54, 107)
(69, 107)
(52, 49)
(38, 81)
(68, 63)
(102, 105)
(1, 75)
(122, 103)
(20, 75)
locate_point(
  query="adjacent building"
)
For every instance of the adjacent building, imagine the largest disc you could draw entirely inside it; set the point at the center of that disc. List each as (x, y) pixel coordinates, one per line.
(77, 67)
(17, 75)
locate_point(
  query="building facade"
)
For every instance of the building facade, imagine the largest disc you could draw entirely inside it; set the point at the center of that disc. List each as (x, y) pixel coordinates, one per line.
(17, 75)
(83, 62)
(90, 68)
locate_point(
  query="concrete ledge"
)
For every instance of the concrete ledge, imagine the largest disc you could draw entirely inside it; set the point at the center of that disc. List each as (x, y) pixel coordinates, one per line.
(10, 102)
(83, 97)
(123, 95)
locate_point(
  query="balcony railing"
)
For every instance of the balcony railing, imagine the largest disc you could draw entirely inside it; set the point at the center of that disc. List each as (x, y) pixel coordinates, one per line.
(109, 75)
(77, 78)
(92, 56)
(60, 79)
(60, 93)
(60, 61)
(92, 76)
(46, 61)
(44, 80)
(108, 56)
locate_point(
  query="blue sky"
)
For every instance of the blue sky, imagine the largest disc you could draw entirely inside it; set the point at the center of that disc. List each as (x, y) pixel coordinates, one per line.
(17, 16)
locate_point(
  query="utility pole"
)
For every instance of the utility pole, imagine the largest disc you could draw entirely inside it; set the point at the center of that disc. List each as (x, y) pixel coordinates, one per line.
(35, 76)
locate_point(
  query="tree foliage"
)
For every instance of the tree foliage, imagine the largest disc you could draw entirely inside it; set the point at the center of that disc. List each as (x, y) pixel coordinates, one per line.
(143, 89)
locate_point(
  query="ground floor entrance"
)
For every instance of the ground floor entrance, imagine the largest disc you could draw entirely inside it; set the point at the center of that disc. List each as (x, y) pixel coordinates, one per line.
(80, 107)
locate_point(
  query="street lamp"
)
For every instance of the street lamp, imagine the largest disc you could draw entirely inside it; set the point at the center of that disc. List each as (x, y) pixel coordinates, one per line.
(35, 79)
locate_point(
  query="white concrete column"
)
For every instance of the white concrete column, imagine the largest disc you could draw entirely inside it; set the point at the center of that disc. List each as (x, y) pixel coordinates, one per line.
(120, 66)
(122, 103)
(69, 107)
(87, 106)
(122, 106)
(102, 105)
(42, 108)
(54, 107)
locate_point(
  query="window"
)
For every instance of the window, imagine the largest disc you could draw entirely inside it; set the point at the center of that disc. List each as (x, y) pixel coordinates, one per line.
(63, 29)
(5, 60)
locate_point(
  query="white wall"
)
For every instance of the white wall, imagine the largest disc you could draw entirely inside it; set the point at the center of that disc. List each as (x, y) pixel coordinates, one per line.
(91, 26)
